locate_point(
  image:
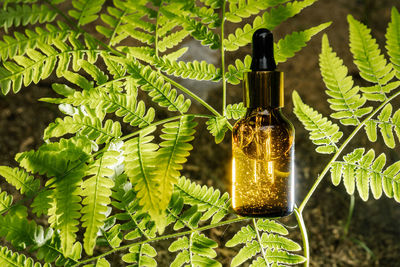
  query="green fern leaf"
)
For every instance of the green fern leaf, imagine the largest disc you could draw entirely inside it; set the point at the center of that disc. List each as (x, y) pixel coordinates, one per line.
(366, 172)
(24, 182)
(323, 132)
(235, 111)
(140, 154)
(246, 8)
(9, 258)
(172, 40)
(189, 218)
(25, 14)
(5, 201)
(193, 70)
(143, 53)
(197, 250)
(142, 255)
(235, 73)
(276, 247)
(158, 89)
(19, 231)
(50, 252)
(114, 20)
(89, 126)
(393, 41)
(269, 20)
(17, 45)
(369, 60)
(214, 4)
(294, 42)
(96, 192)
(85, 10)
(217, 127)
(207, 199)
(42, 202)
(207, 16)
(345, 98)
(172, 154)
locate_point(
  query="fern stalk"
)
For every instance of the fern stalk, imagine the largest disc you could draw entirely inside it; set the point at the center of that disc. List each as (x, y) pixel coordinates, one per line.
(175, 235)
(260, 242)
(304, 236)
(339, 151)
(223, 60)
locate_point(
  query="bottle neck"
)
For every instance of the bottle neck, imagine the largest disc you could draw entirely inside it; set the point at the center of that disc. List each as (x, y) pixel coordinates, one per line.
(263, 110)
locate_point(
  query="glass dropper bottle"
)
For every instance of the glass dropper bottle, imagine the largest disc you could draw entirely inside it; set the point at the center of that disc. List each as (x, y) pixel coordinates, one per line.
(263, 141)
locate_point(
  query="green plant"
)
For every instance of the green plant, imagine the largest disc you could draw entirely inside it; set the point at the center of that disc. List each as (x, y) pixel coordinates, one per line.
(126, 190)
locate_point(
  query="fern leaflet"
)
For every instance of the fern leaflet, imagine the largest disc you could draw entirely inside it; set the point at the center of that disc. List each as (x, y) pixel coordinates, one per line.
(85, 10)
(9, 258)
(24, 182)
(5, 202)
(235, 73)
(96, 192)
(369, 60)
(345, 98)
(393, 41)
(323, 132)
(235, 111)
(217, 127)
(245, 8)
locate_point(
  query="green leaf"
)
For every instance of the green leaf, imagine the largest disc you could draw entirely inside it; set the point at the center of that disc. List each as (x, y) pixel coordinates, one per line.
(217, 127)
(85, 10)
(96, 192)
(235, 73)
(368, 58)
(140, 165)
(190, 70)
(269, 20)
(9, 258)
(173, 153)
(172, 40)
(142, 255)
(345, 99)
(89, 126)
(158, 89)
(386, 128)
(393, 41)
(294, 42)
(22, 15)
(245, 235)
(24, 182)
(323, 132)
(235, 111)
(245, 8)
(5, 201)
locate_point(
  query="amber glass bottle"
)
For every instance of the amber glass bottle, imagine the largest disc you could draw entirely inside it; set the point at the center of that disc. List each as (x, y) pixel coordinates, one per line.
(263, 141)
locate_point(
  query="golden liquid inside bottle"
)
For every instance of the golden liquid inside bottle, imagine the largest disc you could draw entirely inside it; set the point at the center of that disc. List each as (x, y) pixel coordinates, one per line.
(262, 165)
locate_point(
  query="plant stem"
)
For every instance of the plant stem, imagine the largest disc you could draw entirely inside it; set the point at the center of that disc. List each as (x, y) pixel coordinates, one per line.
(349, 216)
(304, 236)
(340, 150)
(223, 60)
(239, 219)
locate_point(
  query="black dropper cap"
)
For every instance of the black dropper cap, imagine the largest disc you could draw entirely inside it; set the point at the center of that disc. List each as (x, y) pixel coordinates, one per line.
(263, 85)
(263, 51)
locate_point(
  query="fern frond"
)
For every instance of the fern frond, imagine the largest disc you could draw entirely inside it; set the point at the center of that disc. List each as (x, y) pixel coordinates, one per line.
(160, 91)
(323, 132)
(64, 214)
(386, 124)
(141, 255)
(277, 248)
(9, 258)
(51, 252)
(245, 8)
(214, 4)
(25, 14)
(207, 199)
(235, 111)
(345, 98)
(17, 45)
(197, 250)
(144, 53)
(270, 20)
(393, 41)
(294, 42)
(39, 63)
(194, 70)
(172, 40)
(96, 192)
(85, 10)
(5, 201)
(207, 16)
(369, 60)
(42, 202)
(24, 182)
(235, 73)
(114, 20)
(140, 155)
(217, 127)
(18, 231)
(89, 126)
(365, 171)
(55, 159)
(174, 150)
(189, 218)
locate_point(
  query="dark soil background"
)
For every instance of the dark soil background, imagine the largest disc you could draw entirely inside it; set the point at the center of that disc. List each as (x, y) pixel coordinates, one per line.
(374, 234)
